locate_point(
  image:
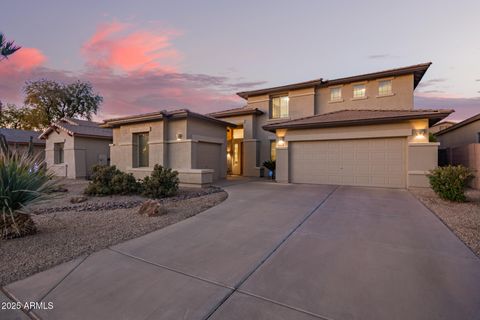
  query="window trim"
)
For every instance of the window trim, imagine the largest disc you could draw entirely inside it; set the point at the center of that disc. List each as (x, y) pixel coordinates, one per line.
(280, 111)
(57, 152)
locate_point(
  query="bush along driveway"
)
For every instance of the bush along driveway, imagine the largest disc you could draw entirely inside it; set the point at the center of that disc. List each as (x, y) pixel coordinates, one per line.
(275, 251)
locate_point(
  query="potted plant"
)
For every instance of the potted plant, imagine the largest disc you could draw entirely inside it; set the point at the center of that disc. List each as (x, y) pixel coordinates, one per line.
(270, 165)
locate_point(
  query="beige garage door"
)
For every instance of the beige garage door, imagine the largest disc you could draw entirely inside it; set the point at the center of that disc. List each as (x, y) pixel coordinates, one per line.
(362, 162)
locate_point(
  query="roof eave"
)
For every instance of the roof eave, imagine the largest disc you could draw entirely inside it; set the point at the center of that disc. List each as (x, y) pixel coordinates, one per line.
(432, 117)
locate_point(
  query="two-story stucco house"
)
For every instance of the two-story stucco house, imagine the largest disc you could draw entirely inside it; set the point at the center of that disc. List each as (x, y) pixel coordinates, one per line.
(361, 130)
(193, 144)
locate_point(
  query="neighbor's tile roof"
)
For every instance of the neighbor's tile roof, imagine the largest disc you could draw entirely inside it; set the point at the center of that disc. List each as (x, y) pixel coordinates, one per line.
(358, 117)
(21, 136)
(418, 70)
(459, 124)
(76, 127)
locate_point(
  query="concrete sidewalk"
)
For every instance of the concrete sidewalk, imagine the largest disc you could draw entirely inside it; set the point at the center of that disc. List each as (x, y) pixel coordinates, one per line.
(274, 251)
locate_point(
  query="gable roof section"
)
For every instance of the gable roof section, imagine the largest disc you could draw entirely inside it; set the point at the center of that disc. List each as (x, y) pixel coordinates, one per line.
(21, 136)
(459, 125)
(358, 117)
(160, 115)
(236, 112)
(79, 128)
(417, 70)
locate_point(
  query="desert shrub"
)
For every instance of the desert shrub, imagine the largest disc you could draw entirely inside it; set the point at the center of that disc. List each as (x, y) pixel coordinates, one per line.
(450, 182)
(163, 182)
(108, 180)
(22, 183)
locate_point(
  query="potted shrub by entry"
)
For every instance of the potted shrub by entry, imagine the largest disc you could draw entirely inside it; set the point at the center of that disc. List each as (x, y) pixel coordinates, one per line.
(270, 165)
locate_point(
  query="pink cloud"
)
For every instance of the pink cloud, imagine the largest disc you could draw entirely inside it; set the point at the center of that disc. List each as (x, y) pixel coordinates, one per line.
(120, 47)
(23, 60)
(134, 70)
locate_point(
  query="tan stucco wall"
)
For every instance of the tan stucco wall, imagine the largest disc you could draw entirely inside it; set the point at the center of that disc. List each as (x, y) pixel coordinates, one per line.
(421, 156)
(402, 98)
(80, 154)
(461, 136)
(67, 169)
(168, 149)
(90, 152)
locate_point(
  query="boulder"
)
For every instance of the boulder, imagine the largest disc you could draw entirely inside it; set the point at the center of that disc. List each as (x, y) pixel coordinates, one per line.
(79, 199)
(152, 208)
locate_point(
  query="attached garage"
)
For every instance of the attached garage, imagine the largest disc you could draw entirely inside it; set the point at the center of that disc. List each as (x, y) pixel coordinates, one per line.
(373, 148)
(357, 162)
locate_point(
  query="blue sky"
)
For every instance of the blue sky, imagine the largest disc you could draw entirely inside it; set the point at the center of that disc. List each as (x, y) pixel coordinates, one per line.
(202, 52)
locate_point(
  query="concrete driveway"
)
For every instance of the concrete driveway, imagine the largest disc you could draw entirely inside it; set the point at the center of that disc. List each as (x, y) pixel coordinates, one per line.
(273, 251)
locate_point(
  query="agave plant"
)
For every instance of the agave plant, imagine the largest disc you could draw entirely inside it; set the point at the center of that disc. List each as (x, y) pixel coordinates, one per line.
(23, 182)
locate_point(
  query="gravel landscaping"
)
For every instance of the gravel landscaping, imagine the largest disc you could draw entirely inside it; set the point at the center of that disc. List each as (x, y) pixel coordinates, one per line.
(66, 230)
(462, 218)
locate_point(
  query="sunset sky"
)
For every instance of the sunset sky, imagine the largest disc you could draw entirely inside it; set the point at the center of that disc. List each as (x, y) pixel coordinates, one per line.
(144, 56)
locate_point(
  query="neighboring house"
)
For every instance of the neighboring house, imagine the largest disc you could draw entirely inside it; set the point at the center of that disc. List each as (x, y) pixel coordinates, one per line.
(191, 143)
(74, 146)
(462, 145)
(442, 125)
(18, 141)
(360, 130)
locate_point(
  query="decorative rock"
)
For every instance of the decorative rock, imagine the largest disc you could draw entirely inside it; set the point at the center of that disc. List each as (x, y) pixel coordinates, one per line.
(152, 208)
(79, 199)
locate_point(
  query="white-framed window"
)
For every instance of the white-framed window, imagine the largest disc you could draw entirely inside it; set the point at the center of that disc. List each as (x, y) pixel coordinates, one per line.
(359, 91)
(279, 107)
(336, 94)
(384, 87)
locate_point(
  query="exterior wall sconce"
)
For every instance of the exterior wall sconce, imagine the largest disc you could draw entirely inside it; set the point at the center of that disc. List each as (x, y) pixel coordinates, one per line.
(281, 141)
(419, 133)
(179, 136)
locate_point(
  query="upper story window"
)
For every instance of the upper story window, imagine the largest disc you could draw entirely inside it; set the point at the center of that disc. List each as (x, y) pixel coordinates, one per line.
(384, 87)
(141, 150)
(279, 107)
(359, 91)
(336, 94)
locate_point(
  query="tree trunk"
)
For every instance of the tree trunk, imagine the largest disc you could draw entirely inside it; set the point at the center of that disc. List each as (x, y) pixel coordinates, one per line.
(21, 225)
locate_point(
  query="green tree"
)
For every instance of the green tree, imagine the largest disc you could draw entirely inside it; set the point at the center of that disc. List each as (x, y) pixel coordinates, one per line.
(55, 100)
(7, 48)
(23, 118)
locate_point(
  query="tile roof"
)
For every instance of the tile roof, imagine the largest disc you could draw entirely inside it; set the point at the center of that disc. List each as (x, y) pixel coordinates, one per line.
(459, 125)
(76, 127)
(158, 115)
(245, 110)
(358, 117)
(418, 70)
(21, 136)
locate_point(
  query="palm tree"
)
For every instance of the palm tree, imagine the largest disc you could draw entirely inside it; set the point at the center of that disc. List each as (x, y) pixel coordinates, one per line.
(6, 47)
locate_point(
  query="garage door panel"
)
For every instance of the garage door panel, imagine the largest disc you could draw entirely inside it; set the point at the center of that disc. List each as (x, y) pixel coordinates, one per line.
(362, 162)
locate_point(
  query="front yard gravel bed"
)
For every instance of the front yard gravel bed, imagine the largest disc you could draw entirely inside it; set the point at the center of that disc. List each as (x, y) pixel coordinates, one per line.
(104, 203)
(462, 218)
(85, 228)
